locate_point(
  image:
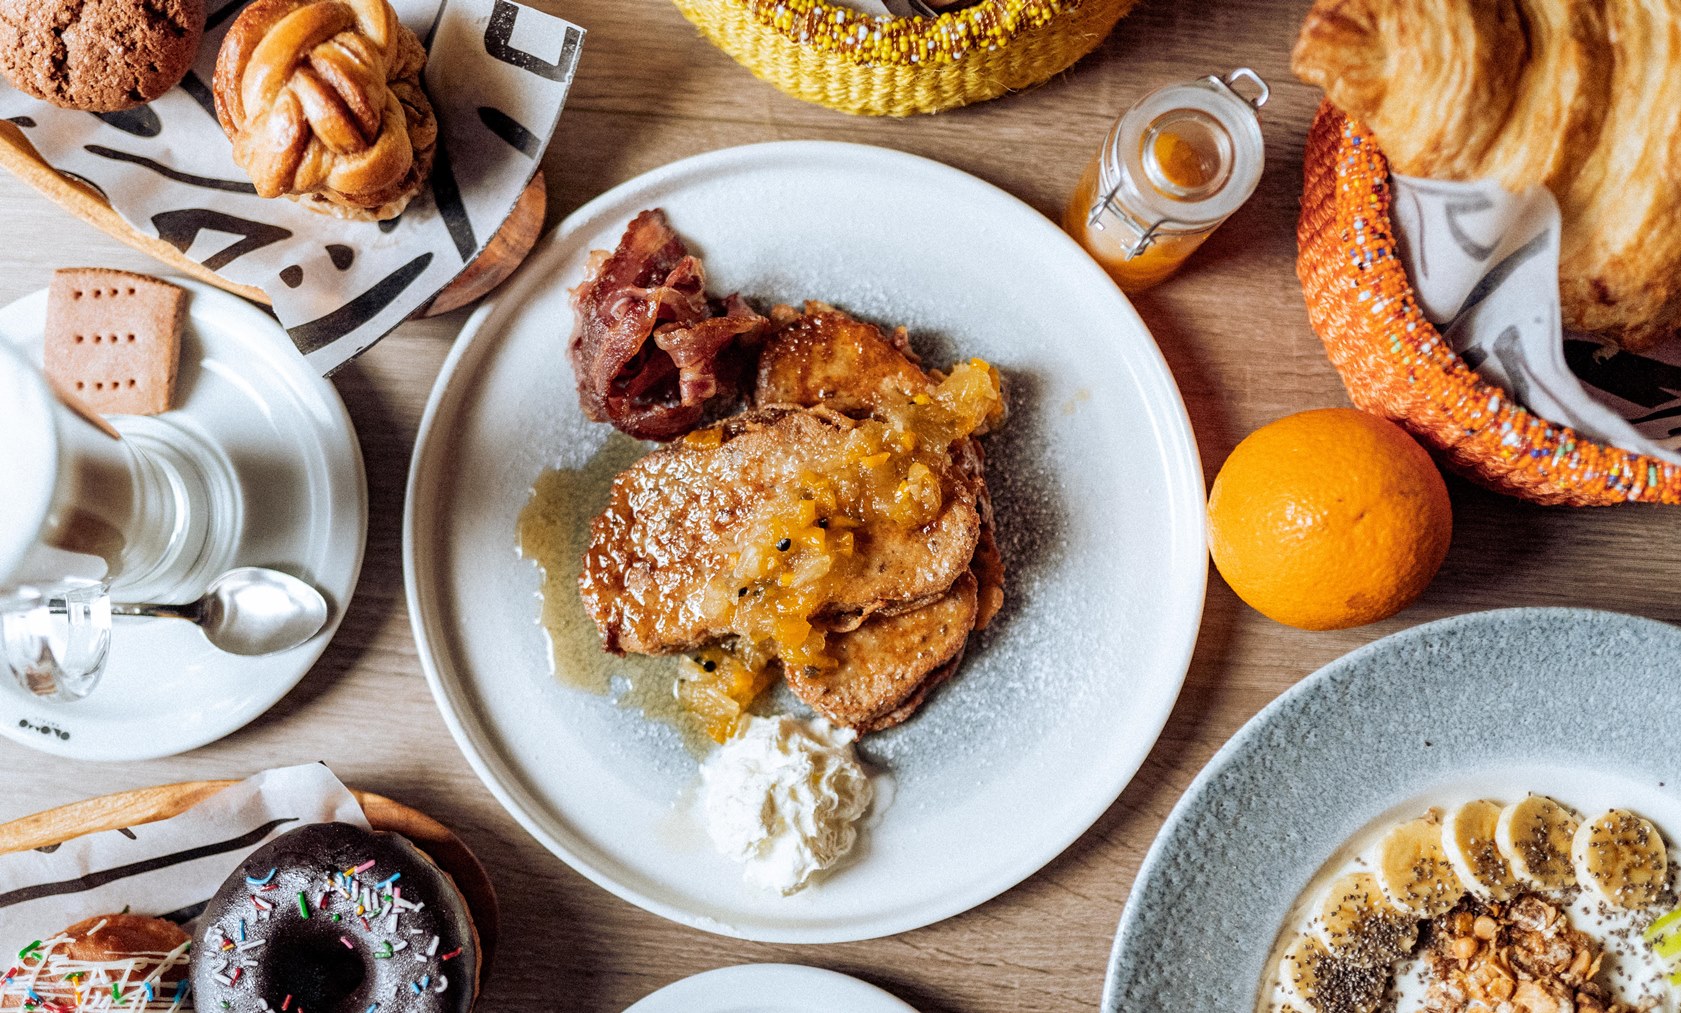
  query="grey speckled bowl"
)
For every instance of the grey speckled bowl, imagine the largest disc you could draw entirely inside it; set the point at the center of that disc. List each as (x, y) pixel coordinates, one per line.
(1379, 727)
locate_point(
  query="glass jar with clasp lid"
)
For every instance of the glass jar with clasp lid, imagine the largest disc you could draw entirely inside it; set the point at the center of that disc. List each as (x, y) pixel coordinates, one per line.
(1172, 168)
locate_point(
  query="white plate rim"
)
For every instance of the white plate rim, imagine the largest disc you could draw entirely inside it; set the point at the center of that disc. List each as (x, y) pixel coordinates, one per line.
(1158, 855)
(1185, 475)
(246, 318)
(727, 989)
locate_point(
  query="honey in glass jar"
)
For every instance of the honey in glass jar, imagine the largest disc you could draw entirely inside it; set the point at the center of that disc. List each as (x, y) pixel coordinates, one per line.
(1172, 168)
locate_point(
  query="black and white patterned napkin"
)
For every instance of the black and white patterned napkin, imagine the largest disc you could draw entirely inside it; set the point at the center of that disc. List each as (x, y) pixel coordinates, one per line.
(497, 75)
(1484, 265)
(170, 868)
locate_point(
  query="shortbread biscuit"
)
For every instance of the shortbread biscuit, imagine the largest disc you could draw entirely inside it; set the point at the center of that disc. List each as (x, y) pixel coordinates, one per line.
(114, 339)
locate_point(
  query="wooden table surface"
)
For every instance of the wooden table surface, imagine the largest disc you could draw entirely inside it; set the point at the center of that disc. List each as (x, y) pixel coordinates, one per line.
(1233, 329)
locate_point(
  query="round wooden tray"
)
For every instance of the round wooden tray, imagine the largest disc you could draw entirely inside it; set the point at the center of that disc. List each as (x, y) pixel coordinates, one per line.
(148, 805)
(505, 251)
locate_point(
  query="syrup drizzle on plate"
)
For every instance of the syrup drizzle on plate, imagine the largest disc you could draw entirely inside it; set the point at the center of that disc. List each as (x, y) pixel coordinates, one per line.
(553, 532)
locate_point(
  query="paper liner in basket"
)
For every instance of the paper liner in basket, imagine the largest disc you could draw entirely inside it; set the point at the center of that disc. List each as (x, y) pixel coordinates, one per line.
(1394, 361)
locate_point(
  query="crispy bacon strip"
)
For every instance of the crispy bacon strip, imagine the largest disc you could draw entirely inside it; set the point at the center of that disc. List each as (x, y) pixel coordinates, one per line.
(649, 348)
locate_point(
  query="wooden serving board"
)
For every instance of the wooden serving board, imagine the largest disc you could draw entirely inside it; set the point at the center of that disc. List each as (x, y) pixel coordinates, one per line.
(506, 250)
(148, 805)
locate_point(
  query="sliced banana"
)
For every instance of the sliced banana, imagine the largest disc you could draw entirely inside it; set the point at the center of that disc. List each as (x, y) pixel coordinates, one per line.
(1621, 856)
(1357, 924)
(1314, 980)
(1413, 869)
(1298, 970)
(1535, 836)
(1468, 837)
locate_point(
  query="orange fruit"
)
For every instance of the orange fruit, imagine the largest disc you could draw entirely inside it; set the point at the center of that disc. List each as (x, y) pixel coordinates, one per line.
(1329, 519)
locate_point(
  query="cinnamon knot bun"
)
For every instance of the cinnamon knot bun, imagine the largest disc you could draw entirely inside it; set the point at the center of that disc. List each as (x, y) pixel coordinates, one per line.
(323, 103)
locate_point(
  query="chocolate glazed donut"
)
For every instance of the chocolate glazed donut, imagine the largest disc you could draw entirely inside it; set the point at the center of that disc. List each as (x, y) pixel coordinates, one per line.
(331, 918)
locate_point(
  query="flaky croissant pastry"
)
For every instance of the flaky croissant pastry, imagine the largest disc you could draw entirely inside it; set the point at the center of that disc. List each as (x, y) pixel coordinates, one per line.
(1580, 96)
(323, 103)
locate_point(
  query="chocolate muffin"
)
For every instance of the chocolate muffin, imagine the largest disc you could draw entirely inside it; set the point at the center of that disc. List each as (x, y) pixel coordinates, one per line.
(98, 55)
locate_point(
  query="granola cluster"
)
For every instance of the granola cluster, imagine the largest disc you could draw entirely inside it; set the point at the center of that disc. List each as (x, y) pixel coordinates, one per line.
(1521, 957)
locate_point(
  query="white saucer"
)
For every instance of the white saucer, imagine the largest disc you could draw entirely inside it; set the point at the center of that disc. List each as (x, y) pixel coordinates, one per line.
(770, 988)
(244, 388)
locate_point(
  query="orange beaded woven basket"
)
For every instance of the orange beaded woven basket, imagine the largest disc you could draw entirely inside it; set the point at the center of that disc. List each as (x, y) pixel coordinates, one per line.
(1395, 364)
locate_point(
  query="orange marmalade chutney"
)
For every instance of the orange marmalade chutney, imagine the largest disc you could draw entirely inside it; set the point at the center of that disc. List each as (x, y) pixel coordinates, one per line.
(1172, 168)
(885, 473)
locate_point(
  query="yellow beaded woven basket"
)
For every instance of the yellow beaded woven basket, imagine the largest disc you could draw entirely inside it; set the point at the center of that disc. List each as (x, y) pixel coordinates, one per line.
(1395, 364)
(844, 59)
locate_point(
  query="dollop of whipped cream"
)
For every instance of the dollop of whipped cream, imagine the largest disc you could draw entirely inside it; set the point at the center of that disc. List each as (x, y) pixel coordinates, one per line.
(781, 797)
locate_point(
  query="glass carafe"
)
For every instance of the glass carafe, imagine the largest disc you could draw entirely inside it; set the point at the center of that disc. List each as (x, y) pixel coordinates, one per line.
(86, 511)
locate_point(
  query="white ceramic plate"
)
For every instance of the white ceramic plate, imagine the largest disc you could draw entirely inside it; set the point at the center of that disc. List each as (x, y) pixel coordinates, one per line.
(244, 388)
(770, 988)
(1571, 703)
(1100, 504)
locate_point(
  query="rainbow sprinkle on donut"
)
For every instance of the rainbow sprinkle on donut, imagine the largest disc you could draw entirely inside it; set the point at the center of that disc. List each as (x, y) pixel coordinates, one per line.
(328, 929)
